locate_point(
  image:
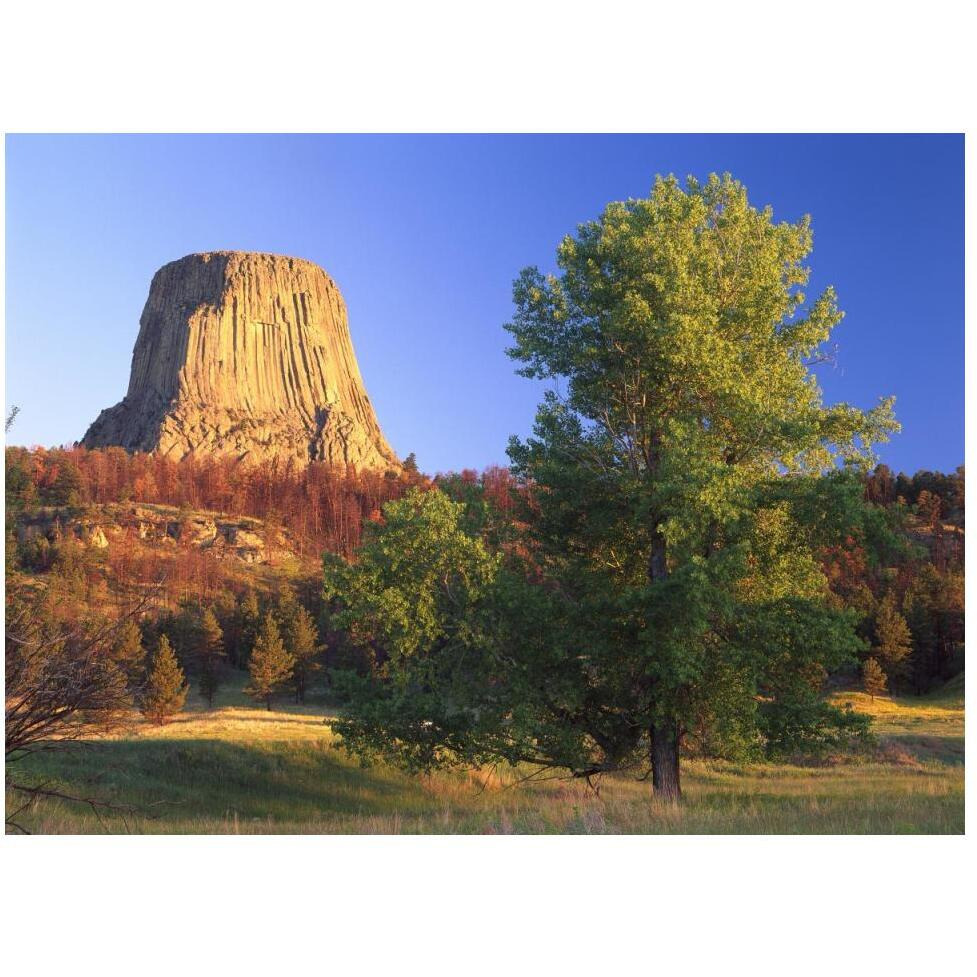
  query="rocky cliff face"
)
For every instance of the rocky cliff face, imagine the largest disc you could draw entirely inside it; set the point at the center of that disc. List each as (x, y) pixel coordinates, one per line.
(250, 355)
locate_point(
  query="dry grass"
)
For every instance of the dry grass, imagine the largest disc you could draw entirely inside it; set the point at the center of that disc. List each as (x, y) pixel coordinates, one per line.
(241, 769)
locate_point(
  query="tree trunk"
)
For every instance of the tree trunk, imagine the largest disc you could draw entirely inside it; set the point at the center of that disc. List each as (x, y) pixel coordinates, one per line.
(665, 761)
(657, 567)
(664, 735)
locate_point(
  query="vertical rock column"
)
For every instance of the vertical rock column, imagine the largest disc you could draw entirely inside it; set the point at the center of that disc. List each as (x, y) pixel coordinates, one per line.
(250, 355)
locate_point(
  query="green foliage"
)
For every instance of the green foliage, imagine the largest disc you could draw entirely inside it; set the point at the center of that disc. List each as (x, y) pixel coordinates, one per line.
(300, 638)
(271, 665)
(69, 561)
(128, 651)
(416, 576)
(166, 688)
(413, 599)
(948, 490)
(934, 610)
(873, 678)
(249, 624)
(66, 488)
(894, 639)
(678, 494)
(692, 464)
(20, 491)
(490, 503)
(210, 655)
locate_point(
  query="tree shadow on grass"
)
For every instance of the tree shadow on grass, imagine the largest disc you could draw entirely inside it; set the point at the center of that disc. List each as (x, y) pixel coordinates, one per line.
(179, 780)
(927, 747)
(302, 719)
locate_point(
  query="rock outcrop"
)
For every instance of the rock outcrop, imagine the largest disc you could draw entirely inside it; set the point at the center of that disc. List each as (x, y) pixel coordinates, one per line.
(160, 527)
(250, 355)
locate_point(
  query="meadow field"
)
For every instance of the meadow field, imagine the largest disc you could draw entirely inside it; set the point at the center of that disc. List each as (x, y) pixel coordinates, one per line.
(240, 769)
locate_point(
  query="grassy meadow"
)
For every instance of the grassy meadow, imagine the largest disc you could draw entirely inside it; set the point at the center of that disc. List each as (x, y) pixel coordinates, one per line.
(240, 769)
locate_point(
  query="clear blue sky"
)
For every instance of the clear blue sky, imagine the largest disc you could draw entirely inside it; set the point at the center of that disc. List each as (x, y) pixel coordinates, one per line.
(424, 235)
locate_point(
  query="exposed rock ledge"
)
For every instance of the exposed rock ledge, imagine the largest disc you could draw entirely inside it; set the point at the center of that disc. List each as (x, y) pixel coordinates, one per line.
(232, 537)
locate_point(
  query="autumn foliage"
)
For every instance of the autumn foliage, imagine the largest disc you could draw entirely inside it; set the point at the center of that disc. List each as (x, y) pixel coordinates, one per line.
(322, 507)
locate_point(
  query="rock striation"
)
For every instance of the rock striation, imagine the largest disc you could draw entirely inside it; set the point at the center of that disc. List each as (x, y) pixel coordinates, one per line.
(249, 355)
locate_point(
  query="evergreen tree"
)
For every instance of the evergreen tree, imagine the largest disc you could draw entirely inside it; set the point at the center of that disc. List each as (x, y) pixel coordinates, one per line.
(128, 651)
(873, 678)
(271, 665)
(934, 608)
(880, 486)
(929, 506)
(166, 688)
(67, 486)
(894, 639)
(183, 630)
(299, 635)
(249, 617)
(226, 611)
(210, 655)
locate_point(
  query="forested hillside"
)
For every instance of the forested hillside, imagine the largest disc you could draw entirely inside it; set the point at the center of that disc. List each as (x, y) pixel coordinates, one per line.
(906, 582)
(90, 533)
(93, 535)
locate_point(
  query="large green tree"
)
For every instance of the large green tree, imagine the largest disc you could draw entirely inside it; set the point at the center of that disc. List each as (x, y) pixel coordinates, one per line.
(415, 600)
(683, 475)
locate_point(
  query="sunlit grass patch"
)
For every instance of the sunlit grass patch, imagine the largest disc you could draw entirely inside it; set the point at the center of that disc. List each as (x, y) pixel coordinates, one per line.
(242, 769)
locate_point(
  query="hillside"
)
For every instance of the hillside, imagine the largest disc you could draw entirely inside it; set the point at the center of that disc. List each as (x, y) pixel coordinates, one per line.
(118, 550)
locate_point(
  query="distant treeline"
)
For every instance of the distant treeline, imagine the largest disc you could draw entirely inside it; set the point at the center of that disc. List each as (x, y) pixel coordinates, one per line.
(884, 488)
(905, 583)
(323, 507)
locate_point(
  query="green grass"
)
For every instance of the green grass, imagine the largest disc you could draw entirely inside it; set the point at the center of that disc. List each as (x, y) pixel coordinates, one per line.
(240, 769)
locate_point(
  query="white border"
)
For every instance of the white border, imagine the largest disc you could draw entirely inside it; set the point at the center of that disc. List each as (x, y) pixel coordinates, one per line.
(485, 905)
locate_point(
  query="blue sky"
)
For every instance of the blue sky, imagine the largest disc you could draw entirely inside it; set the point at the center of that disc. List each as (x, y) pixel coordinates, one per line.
(424, 235)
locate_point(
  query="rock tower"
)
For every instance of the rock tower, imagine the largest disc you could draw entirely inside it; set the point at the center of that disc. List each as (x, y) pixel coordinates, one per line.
(250, 355)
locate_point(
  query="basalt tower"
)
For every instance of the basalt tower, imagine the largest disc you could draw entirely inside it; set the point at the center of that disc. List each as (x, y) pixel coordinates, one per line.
(249, 355)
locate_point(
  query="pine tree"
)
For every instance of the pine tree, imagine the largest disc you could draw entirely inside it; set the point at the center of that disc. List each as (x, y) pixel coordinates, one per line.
(128, 651)
(271, 665)
(895, 641)
(299, 635)
(166, 689)
(210, 654)
(249, 617)
(873, 678)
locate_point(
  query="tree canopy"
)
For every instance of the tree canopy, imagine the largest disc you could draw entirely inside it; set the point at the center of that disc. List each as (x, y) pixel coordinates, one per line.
(683, 475)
